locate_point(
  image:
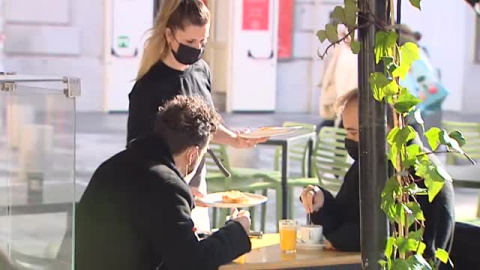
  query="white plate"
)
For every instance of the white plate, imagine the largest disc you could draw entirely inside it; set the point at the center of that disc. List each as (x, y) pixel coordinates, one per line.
(271, 131)
(304, 246)
(215, 200)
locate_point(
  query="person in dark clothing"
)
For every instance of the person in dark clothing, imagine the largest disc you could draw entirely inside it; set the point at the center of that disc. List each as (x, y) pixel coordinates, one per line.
(171, 65)
(340, 215)
(135, 212)
(466, 244)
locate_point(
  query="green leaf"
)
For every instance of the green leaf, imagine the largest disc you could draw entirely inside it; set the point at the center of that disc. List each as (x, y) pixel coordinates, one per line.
(434, 181)
(416, 3)
(389, 194)
(355, 45)
(421, 248)
(433, 137)
(338, 13)
(458, 136)
(385, 43)
(409, 54)
(433, 187)
(401, 264)
(350, 12)
(382, 86)
(396, 139)
(413, 189)
(442, 255)
(417, 235)
(450, 142)
(389, 247)
(322, 35)
(405, 135)
(382, 264)
(400, 215)
(392, 135)
(406, 102)
(417, 212)
(413, 151)
(387, 60)
(417, 262)
(332, 34)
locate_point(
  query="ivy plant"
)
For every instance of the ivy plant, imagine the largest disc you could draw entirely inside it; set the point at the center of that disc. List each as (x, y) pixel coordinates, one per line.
(404, 248)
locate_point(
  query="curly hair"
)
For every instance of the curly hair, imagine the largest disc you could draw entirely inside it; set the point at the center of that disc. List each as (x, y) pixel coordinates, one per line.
(186, 121)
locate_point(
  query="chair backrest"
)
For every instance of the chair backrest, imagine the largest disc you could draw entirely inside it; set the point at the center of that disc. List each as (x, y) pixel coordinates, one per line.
(471, 131)
(330, 159)
(296, 152)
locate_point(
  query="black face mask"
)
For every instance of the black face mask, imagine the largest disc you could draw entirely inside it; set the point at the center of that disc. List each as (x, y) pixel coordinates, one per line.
(352, 148)
(187, 55)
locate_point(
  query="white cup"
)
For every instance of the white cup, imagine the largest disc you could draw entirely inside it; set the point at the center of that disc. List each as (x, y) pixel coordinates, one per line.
(311, 234)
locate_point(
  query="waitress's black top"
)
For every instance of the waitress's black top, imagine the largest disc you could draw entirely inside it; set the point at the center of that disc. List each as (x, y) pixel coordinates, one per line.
(160, 84)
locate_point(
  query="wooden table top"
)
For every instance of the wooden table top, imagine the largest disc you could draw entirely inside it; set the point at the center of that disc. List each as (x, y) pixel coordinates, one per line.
(266, 254)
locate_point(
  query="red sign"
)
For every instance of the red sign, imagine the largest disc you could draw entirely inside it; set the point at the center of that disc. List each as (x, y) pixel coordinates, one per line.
(285, 29)
(256, 15)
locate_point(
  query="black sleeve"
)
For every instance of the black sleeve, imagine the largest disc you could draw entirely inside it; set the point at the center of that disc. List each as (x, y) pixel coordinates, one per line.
(141, 112)
(344, 236)
(440, 221)
(170, 229)
(327, 216)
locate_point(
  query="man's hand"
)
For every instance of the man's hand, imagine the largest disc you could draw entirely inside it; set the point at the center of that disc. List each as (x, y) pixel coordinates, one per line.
(312, 199)
(242, 217)
(197, 194)
(329, 245)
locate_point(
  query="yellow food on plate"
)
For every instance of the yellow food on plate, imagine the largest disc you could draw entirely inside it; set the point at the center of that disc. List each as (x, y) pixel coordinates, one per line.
(266, 128)
(234, 196)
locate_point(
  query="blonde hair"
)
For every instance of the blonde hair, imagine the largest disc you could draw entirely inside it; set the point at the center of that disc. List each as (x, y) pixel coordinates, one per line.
(343, 100)
(174, 14)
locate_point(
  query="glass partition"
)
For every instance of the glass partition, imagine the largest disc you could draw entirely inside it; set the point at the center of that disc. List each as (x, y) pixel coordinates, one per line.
(37, 171)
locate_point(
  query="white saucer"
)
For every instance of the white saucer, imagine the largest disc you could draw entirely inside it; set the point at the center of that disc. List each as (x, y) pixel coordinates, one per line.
(305, 246)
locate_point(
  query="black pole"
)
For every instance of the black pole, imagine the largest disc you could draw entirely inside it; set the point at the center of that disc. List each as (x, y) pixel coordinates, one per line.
(373, 160)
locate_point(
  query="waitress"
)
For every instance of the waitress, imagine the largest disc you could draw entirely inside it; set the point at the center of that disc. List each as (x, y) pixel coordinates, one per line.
(171, 65)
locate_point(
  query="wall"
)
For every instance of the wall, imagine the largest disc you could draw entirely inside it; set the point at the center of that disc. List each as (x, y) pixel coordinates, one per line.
(298, 77)
(447, 54)
(471, 92)
(58, 37)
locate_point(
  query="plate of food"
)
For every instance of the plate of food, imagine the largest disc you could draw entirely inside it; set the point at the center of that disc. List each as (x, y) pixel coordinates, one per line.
(269, 132)
(232, 198)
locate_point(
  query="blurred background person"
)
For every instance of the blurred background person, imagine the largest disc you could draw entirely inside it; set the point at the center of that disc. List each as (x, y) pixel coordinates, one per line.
(340, 77)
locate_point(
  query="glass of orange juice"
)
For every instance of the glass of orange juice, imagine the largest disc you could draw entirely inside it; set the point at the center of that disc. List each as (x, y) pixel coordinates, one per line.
(288, 235)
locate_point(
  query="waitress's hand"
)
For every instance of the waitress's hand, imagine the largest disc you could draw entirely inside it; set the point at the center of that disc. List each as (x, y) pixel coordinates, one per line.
(240, 142)
(197, 194)
(312, 199)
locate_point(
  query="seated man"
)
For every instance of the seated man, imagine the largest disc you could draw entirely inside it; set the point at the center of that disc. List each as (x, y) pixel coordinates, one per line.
(340, 215)
(135, 212)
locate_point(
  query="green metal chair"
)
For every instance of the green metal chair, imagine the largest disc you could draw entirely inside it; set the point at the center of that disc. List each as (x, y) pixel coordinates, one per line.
(242, 179)
(471, 131)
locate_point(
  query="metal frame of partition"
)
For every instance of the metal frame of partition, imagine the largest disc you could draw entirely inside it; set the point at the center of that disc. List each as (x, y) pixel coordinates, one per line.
(8, 82)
